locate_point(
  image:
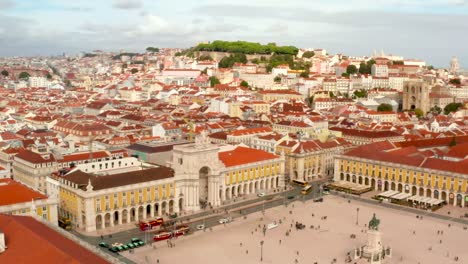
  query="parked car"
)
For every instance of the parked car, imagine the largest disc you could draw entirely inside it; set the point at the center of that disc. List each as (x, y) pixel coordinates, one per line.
(104, 245)
(200, 227)
(224, 220)
(261, 194)
(272, 225)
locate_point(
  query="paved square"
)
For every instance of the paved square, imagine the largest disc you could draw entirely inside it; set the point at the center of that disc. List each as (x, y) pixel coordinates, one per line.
(409, 237)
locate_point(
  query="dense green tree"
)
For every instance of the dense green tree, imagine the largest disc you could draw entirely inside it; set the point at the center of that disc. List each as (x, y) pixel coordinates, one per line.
(398, 63)
(178, 54)
(455, 81)
(152, 49)
(244, 84)
(331, 94)
(24, 75)
(345, 74)
(255, 61)
(363, 68)
(214, 81)
(134, 71)
(360, 93)
(124, 66)
(5, 73)
(205, 71)
(419, 113)
(351, 69)
(277, 79)
(308, 54)
(436, 109)
(245, 47)
(430, 67)
(48, 76)
(304, 74)
(452, 107)
(228, 62)
(384, 108)
(205, 58)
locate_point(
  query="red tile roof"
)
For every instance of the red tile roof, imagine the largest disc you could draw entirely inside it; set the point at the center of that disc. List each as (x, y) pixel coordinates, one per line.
(243, 155)
(13, 192)
(30, 241)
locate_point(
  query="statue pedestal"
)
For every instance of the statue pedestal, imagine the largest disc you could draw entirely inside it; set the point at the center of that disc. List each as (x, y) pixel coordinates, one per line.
(373, 249)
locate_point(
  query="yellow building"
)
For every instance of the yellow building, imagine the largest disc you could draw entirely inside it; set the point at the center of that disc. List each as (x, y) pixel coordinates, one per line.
(440, 173)
(18, 199)
(93, 201)
(310, 160)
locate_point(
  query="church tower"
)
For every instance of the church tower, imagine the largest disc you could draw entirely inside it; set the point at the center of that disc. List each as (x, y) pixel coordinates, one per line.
(454, 66)
(416, 95)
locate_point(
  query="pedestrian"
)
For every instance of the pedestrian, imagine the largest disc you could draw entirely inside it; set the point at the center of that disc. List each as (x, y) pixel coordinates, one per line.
(440, 241)
(280, 241)
(102, 237)
(296, 261)
(241, 244)
(247, 252)
(157, 261)
(298, 252)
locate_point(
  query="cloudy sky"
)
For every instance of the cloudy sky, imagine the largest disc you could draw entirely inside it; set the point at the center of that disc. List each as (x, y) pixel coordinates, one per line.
(433, 30)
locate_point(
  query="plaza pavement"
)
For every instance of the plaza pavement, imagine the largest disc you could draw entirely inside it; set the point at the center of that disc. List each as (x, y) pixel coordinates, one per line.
(413, 240)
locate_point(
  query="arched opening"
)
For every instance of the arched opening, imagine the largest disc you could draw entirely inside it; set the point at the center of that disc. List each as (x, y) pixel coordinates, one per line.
(277, 182)
(267, 183)
(164, 208)
(256, 186)
(262, 185)
(203, 174)
(295, 175)
(386, 186)
(148, 210)
(436, 194)
(393, 186)
(107, 220)
(140, 212)
(400, 187)
(421, 191)
(228, 193)
(98, 222)
(83, 221)
(171, 206)
(360, 180)
(347, 177)
(233, 191)
(354, 178)
(444, 196)
(246, 189)
(373, 183)
(124, 216)
(459, 199)
(116, 218)
(156, 209)
(414, 190)
(341, 176)
(239, 190)
(272, 183)
(366, 181)
(181, 204)
(251, 187)
(428, 193)
(451, 198)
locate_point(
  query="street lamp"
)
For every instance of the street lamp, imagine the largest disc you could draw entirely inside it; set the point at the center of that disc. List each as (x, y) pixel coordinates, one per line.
(261, 250)
(357, 216)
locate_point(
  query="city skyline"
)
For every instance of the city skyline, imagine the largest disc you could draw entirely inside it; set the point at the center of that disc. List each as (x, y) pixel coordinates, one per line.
(50, 27)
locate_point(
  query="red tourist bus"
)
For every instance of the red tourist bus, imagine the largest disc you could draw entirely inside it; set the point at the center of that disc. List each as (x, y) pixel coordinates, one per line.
(164, 234)
(151, 224)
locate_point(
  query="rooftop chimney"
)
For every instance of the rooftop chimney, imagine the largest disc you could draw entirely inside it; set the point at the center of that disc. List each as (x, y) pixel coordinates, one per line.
(3, 246)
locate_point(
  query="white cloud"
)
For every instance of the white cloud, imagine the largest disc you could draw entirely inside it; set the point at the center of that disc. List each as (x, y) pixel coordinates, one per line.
(6, 4)
(128, 4)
